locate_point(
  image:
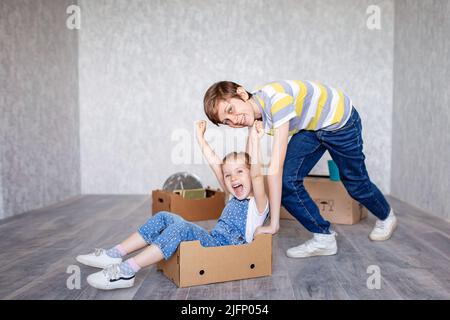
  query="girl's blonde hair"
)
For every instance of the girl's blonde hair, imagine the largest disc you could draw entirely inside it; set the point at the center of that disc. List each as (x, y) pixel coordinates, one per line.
(235, 155)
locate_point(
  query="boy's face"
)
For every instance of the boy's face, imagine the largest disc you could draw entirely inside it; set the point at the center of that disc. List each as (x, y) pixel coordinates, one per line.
(237, 178)
(236, 113)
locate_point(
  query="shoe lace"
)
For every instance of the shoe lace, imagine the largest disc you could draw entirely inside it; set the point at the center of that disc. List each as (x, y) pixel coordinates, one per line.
(98, 252)
(308, 244)
(380, 224)
(312, 243)
(112, 271)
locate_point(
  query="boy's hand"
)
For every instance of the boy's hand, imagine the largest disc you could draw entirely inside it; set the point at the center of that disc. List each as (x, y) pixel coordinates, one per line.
(257, 131)
(201, 128)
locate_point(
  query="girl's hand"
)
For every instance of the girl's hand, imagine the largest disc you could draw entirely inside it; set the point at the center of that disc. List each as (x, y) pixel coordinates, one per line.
(257, 130)
(201, 128)
(265, 229)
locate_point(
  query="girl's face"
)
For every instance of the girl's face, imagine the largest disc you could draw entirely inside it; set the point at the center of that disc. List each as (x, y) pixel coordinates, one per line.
(237, 178)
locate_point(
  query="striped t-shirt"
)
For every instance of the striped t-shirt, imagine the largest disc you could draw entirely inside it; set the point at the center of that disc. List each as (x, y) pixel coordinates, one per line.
(306, 105)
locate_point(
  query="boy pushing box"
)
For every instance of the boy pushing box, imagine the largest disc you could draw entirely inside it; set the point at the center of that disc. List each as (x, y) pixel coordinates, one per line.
(319, 118)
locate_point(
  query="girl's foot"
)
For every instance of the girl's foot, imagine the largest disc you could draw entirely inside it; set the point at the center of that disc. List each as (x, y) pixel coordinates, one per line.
(113, 277)
(98, 259)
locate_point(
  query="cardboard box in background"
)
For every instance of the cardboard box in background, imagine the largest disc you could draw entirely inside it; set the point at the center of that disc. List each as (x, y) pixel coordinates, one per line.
(194, 265)
(333, 201)
(207, 208)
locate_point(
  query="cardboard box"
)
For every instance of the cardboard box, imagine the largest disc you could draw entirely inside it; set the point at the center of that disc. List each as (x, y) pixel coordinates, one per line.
(208, 208)
(194, 265)
(333, 201)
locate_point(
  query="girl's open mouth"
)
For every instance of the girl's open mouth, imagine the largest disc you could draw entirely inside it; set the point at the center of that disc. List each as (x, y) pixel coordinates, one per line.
(238, 189)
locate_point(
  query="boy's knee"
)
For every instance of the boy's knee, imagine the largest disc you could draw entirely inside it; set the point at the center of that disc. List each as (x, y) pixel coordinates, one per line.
(290, 183)
(359, 190)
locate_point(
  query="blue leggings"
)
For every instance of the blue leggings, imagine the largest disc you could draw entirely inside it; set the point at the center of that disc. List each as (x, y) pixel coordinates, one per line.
(167, 230)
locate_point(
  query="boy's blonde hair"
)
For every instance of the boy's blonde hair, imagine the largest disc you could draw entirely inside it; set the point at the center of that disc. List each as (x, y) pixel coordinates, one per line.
(235, 155)
(219, 91)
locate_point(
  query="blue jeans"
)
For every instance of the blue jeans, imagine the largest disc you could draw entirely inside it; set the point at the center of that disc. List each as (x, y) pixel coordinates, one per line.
(345, 146)
(167, 230)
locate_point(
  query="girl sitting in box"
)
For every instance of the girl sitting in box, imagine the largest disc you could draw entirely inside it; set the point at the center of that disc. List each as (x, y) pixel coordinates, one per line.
(244, 213)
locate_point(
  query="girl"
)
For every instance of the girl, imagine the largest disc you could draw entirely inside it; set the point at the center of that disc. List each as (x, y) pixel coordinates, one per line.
(161, 235)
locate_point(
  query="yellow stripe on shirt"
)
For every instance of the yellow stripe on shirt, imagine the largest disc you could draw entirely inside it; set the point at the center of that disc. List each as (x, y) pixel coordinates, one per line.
(300, 101)
(320, 104)
(280, 104)
(261, 102)
(292, 132)
(271, 132)
(277, 87)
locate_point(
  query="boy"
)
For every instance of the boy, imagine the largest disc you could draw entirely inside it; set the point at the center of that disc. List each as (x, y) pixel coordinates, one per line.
(319, 118)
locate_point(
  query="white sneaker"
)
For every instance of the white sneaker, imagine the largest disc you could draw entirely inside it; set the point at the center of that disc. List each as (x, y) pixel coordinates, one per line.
(98, 259)
(384, 228)
(110, 278)
(319, 245)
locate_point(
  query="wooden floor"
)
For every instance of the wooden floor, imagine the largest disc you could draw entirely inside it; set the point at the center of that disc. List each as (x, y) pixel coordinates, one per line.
(37, 248)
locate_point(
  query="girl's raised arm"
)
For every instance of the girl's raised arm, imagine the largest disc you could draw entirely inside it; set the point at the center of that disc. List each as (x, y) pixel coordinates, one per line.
(213, 160)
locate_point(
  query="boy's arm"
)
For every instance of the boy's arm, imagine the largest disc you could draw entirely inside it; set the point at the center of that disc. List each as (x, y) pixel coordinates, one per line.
(211, 157)
(275, 175)
(259, 191)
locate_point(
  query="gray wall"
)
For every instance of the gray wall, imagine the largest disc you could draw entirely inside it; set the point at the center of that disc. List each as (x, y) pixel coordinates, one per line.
(2, 213)
(145, 65)
(39, 105)
(421, 135)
